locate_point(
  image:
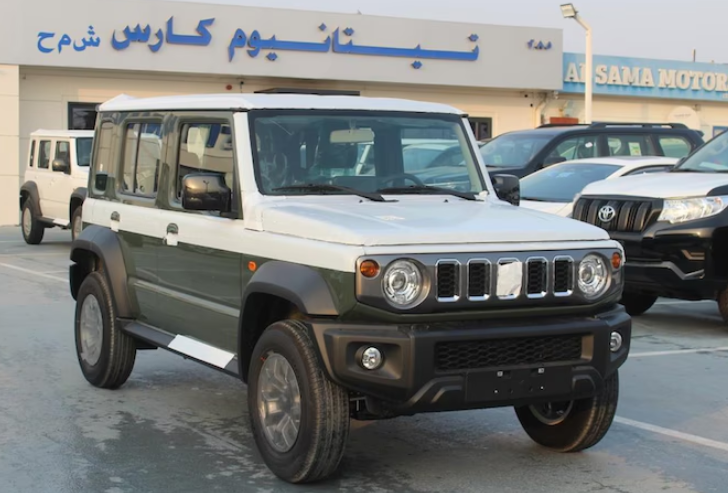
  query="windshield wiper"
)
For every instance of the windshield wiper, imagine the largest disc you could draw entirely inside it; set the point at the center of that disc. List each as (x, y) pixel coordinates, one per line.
(429, 189)
(324, 187)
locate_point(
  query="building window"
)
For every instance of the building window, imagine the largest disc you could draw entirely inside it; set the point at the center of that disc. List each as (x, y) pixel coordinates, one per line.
(81, 116)
(142, 155)
(482, 128)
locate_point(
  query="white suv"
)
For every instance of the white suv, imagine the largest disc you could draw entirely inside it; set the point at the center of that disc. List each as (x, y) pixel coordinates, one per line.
(54, 186)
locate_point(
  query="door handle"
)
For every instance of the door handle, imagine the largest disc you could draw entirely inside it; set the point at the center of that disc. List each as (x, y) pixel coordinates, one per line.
(115, 218)
(170, 238)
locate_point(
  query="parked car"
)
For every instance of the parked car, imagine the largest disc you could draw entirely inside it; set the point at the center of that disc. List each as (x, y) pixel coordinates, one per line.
(674, 228)
(338, 296)
(524, 152)
(55, 180)
(554, 189)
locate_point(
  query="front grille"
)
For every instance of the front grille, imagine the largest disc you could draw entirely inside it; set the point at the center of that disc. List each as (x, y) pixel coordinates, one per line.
(496, 353)
(629, 215)
(478, 279)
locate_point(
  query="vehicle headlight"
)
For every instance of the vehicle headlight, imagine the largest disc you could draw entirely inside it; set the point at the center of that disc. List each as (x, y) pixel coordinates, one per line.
(403, 284)
(593, 276)
(681, 210)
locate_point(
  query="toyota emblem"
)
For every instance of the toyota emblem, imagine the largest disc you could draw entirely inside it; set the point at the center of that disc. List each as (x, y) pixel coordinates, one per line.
(607, 213)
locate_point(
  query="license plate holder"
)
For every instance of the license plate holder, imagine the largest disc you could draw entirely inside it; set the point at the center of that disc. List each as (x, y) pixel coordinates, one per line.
(489, 385)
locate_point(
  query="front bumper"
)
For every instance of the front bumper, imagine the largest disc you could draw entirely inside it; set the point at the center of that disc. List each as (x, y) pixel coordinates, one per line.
(471, 365)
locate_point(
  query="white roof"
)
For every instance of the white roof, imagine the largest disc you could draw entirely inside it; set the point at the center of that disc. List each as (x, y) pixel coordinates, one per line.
(272, 101)
(624, 161)
(69, 134)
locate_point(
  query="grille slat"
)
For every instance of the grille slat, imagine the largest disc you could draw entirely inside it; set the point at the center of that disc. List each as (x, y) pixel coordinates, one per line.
(448, 280)
(563, 276)
(631, 215)
(479, 280)
(498, 353)
(536, 278)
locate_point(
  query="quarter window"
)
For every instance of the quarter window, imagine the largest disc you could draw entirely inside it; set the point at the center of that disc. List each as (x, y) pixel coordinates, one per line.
(142, 156)
(44, 154)
(205, 148)
(674, 146)
(31, 159)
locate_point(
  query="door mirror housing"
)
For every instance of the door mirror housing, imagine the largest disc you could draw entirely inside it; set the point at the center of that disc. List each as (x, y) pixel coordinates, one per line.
(61, 165)
(508, 188)
(206, 192)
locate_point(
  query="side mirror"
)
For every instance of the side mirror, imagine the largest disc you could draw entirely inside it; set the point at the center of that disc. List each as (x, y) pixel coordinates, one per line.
(61, 165)
(508, 188)
(205, 192)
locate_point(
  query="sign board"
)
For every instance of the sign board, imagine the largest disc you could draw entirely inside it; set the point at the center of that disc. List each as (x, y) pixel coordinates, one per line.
(641, 77)
(230, 40)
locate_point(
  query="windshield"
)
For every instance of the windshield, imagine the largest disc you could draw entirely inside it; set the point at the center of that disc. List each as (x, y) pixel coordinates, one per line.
(364, 151)
(83, 151)
(711, 158)
(512, 150)
(561, 182)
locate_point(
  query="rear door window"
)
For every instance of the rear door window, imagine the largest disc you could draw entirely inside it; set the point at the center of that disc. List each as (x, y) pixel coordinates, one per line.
(580, 147)
(630, 145)
(63, 151)
(44, 154)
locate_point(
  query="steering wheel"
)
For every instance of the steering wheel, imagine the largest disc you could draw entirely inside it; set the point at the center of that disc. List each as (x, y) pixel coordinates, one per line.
(406, 176)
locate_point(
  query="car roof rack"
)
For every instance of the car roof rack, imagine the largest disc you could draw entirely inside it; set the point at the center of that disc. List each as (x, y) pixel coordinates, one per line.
(551, 125)
(636, 124)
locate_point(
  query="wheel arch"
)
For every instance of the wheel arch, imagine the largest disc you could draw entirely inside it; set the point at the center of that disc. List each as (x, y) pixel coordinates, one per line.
(29, 190)
(278, 291)
(99, 249)
(77, 199)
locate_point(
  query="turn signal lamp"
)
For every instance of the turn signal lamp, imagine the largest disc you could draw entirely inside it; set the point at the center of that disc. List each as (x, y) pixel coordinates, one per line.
(616, 260)
(369, 268)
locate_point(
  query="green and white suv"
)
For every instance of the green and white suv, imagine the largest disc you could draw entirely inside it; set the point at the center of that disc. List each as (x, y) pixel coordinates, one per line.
(240, 231)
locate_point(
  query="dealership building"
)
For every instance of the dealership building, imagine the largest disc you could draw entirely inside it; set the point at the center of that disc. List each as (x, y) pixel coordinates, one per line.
(58, 60)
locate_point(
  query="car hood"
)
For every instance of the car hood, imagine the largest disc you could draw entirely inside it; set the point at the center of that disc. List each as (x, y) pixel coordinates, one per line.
(418, 220)
(659, 185)
(558, 208)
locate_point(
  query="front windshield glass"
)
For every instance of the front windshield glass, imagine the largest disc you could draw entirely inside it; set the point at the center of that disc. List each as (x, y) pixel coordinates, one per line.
(365, 151)
(711, 158)
(561, 182)
(83, 151)
(512, 150)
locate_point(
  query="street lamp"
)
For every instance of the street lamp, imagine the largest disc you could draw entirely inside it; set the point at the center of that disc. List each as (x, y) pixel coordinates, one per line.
(570, 12)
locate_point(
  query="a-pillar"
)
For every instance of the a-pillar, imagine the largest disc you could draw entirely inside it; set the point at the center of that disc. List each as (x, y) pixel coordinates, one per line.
(9, 144)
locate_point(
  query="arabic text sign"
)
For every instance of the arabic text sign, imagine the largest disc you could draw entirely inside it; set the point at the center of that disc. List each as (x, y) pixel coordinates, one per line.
(621, 76)
(256, 43)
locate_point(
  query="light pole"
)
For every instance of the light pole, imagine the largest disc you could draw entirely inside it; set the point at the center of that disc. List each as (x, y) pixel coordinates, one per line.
(570, 11)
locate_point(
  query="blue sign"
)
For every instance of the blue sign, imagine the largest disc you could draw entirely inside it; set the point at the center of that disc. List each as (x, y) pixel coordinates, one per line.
(641, 77)
(253, 43)
(718, 130)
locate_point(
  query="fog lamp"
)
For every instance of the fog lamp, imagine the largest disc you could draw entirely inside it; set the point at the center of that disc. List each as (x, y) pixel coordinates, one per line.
(371, 358)
(615, 342)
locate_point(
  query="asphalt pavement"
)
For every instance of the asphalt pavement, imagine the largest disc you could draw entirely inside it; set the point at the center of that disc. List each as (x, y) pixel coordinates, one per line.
(177, 426)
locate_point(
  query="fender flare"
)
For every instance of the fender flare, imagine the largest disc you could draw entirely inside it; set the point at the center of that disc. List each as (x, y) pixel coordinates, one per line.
(78, 195)
(31, 188)
(300, 285)
(102, 243)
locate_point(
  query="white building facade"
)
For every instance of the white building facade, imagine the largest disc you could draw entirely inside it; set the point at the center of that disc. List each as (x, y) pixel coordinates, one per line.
(58, 60)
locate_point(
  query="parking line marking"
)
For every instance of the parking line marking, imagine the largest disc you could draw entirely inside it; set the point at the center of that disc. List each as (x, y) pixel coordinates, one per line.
(683, 302)
(35, 273)
(679, 351)
(687, 437)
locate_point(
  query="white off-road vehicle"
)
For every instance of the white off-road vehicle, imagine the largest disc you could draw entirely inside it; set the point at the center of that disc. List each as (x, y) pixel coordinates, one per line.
(54, 185)
(240, 231)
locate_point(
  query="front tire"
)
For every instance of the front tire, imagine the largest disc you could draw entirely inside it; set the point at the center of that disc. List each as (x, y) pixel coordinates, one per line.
(105, 353)
(572, 426)
(32, 228)
(299, 418)
(636, 304)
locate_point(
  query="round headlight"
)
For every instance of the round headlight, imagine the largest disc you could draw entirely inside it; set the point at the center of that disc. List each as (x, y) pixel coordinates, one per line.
(593, 278)
(403, 284)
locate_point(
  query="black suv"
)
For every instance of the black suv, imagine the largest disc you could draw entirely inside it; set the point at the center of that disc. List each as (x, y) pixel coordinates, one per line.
(523, 152)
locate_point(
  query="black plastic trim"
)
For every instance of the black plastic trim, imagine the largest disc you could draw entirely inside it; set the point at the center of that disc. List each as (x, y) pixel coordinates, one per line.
(31, 188)
(104, 244)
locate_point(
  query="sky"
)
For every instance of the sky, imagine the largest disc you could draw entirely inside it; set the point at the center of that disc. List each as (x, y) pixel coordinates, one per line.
(663, 29)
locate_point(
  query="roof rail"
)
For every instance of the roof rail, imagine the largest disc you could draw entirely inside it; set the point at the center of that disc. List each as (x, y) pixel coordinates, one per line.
(548, 125)
(637, 124)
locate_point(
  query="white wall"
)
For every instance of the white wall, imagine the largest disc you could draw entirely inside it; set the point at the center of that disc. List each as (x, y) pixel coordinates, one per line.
(9, 132)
